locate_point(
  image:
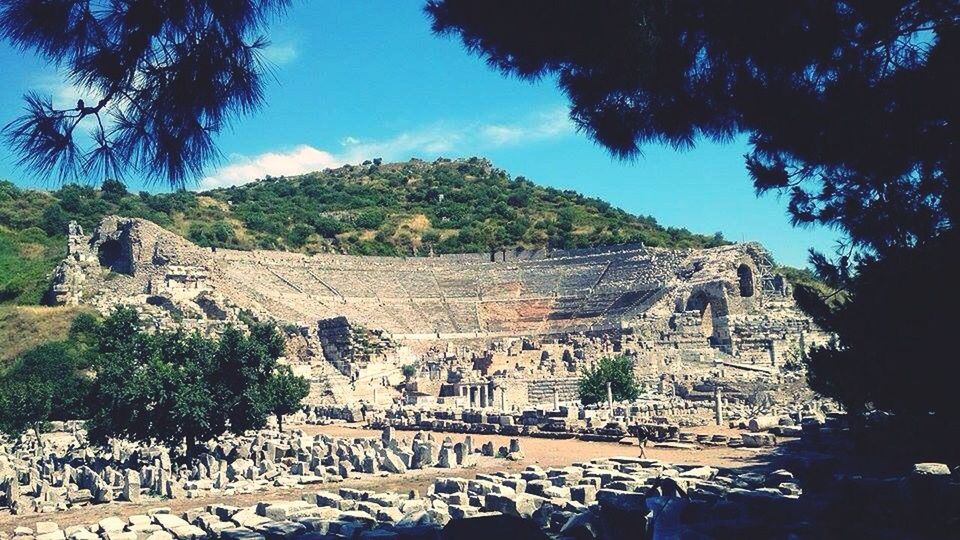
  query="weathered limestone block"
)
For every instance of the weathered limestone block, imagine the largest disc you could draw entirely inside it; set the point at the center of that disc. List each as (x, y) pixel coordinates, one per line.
(392, 463)
(248, 518)
(450, 485)
(281, 529)
(326, 498)
(423, 455)
(279, 511)
(111, 524)
(240, 533)
(584, 493)
(131, 486)
(445, 459)
(522, 505)
(931, 469)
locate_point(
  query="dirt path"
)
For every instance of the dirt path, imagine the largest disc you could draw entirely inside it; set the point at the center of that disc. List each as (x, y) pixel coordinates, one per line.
(561, 452)
(542, 452)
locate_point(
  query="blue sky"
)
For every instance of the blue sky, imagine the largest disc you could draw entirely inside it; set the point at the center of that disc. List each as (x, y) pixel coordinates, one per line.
(357, 80)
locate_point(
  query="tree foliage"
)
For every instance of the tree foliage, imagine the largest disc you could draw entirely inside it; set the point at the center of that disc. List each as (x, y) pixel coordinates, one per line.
(158, 79)
(173, 387)
(895, 350)
(285, 392)
(24, 406)
(849, 105)
(618, 371)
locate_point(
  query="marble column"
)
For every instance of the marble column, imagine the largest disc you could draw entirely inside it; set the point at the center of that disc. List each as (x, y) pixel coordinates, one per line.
(718, 404)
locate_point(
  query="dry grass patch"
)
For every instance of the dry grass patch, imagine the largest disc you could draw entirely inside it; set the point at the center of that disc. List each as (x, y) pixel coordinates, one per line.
(25, 327)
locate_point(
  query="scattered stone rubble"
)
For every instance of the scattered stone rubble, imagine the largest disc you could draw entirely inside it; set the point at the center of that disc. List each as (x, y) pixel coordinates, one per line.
(65, 474)
(605, 496)
(565, 423)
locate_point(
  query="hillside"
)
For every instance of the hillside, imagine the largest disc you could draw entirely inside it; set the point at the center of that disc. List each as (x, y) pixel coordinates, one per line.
(25, 327)
(408, 208)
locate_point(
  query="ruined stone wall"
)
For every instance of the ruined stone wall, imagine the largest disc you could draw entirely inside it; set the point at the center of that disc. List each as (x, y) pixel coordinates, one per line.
(541, 392)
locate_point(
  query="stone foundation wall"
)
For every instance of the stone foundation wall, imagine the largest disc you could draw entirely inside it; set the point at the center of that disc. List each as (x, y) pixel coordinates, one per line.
(540, 392)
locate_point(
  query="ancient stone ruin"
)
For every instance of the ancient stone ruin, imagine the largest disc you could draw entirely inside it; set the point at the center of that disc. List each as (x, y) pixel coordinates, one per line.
(509, 332)
(457, 361)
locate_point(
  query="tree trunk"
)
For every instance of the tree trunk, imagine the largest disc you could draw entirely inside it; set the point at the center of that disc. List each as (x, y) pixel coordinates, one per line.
(280, 422)
(36, 433)
(191, 447)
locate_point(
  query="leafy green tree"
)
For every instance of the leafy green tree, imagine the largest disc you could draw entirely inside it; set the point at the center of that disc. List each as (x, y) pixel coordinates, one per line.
(55, 220)
(617, 370)
(327, 227)
(430, 237)
(895, 346)
(222, 233)
(299, 234)
(113, 190)
(175, 388)
(285, 392)
(370, 219)
(45, 383)
(25, 405)
(217, 234)
(83, 330)
(57, 364)
(409, 370)
(493, 237)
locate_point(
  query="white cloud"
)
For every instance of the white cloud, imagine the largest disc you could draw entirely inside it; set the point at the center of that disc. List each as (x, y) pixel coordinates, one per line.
(280, 53)
(427, 142)
(299, 160)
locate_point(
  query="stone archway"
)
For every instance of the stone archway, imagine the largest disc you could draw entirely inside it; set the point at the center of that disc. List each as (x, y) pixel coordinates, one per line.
(109, 253)
(710, 306)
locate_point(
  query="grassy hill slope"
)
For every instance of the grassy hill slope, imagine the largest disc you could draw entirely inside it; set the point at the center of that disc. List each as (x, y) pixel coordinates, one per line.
(408, 208)
(25, 327)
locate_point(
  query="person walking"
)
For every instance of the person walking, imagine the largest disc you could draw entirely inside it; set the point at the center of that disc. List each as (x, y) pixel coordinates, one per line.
(643, 435)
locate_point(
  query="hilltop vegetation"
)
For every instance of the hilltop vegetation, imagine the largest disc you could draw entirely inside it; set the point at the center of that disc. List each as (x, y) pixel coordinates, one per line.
(394, 209)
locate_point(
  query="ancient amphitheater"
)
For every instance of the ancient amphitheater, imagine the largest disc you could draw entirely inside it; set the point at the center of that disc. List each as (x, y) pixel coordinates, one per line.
(479, 355)
(517, 323)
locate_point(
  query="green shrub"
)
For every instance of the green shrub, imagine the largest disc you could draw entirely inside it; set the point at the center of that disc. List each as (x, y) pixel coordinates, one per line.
(618, 371)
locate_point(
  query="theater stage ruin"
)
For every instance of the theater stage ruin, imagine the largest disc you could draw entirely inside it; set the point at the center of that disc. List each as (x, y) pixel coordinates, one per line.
(506, 329)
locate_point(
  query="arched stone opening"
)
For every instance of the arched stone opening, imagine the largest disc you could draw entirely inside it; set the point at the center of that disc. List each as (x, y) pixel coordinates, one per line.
(745, 277)
(706, 321)
(109, 253)
(710, 308)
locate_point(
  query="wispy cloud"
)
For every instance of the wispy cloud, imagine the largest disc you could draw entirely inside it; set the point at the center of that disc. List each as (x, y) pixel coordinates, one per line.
(63, 93)
(546, 125)
(280, 53)
(426, 142)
